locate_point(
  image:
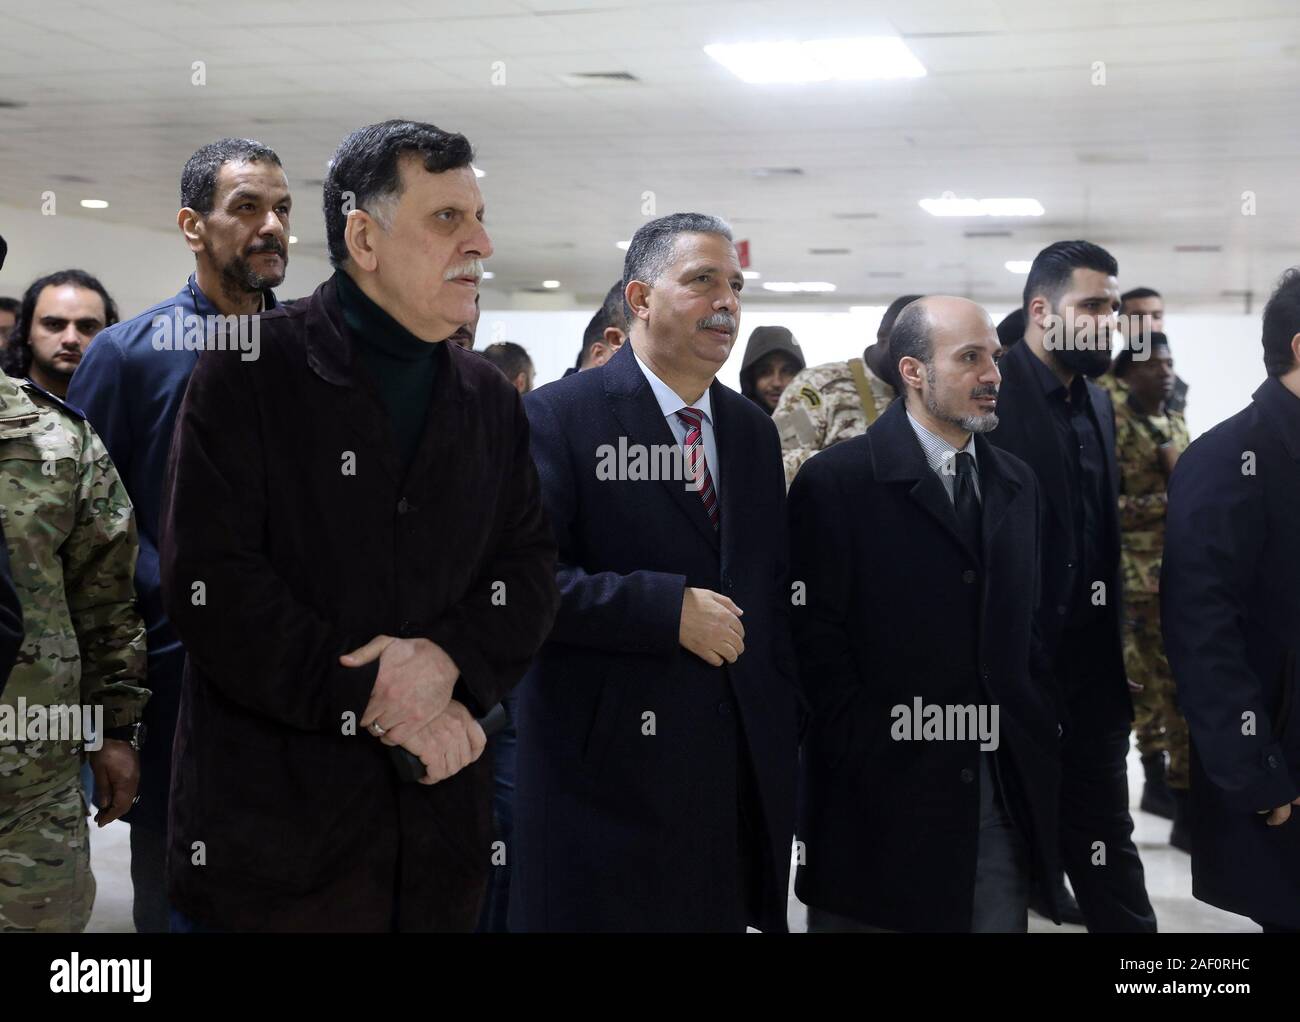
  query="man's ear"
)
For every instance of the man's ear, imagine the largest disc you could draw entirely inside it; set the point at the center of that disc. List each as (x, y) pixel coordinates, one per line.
(613, 338)
(1039, 309)
(359, 235)
(637, 294)
(911, 370)
(191, 225)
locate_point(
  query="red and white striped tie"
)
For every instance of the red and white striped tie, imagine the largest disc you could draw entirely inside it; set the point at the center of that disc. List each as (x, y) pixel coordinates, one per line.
(696, 463)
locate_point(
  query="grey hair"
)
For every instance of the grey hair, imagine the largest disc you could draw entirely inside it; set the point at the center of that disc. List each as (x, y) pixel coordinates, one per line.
(653, 245)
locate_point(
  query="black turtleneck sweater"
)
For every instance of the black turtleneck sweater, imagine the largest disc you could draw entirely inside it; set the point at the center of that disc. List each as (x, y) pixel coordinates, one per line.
(402, 366)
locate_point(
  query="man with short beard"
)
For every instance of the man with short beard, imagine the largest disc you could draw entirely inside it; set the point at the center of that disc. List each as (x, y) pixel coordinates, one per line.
(60, 315)
(234, 217)
(1055, 418)
(772, 359)
(943, 833)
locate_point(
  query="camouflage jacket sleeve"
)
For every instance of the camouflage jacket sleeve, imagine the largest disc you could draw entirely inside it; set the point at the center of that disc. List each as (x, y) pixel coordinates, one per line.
(1142, 498)
(801, 419)
(98, 570)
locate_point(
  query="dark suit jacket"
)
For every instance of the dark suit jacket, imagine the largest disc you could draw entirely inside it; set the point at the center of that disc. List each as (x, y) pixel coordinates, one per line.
(11, 616)
(131, 392)
(285, 500)
(1026, 429)
(1230, 604)
(615, 829)
(899, 607)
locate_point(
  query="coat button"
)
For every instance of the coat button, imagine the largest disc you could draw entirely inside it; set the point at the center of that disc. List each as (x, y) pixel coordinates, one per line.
(404, 506)
(1060, 609)
(724, 708)
(407, 629)
(967, 775)
(1271, 761)
(968, 576)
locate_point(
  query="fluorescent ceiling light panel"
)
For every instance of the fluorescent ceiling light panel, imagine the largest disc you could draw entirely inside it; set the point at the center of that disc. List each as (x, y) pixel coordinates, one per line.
(799, 286)
(949, 204)
(858, 59)
(1019, 265)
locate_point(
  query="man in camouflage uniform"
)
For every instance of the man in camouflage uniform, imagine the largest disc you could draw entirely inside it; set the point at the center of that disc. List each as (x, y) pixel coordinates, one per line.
(1148, 439)
(838, 400)
(72, 547)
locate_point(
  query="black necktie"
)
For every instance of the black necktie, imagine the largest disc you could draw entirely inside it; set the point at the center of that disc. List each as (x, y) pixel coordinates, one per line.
(965, 502)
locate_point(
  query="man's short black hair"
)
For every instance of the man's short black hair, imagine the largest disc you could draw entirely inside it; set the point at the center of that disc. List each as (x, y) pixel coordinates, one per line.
(10, 305)
(611, 313)
(199, 178)
(910, 338)
(365, 174)
(1282, 323)
(890, 317)
(1136, 293)
(511, 358)
(18, 353)
(1049, 275)
(653, 245)
(1124, 360)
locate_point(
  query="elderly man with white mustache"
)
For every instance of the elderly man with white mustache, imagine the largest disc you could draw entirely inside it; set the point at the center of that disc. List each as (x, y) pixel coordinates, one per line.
(356, 558)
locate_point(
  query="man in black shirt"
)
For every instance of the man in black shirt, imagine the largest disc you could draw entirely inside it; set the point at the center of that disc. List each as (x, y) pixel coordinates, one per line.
(1052, 417)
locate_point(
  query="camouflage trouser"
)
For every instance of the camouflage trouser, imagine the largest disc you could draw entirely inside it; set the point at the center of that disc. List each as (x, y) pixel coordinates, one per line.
(1158, 724)
(45, 880)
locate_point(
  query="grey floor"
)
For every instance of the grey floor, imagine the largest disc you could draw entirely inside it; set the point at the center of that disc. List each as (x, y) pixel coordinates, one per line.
(1168, 872)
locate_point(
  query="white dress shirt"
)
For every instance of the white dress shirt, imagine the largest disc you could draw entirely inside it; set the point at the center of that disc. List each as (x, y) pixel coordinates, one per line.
(670, 404)
(938, 453)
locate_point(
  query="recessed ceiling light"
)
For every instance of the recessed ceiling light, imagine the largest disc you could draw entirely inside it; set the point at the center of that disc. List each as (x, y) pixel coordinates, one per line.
(624, 245)
(550, 284)
(1019, 265)
(95, 203)
(293, 239)
(488, 274)
(799, 286)
(818, 60)
(949, 204)
(477, 172)
(750, 274)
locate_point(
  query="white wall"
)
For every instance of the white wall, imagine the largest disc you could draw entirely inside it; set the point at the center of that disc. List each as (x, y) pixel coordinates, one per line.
(139, 266)
(1218, 355)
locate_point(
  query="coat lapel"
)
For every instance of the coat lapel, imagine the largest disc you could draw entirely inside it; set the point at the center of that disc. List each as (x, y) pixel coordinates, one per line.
(1282, 409)
(1037, 421)
(732, 452)
(897, 457)
(331, 357)
(634, 407)
(997, 492)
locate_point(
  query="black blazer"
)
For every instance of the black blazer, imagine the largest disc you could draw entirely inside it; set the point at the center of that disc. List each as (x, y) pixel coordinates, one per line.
(1230, 607)
(285, 498)
(899, 607)
(617, 830)
(1026, 429)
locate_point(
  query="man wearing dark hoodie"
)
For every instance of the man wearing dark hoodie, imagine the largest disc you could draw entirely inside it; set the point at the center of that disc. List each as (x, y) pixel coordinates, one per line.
(772, 359)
